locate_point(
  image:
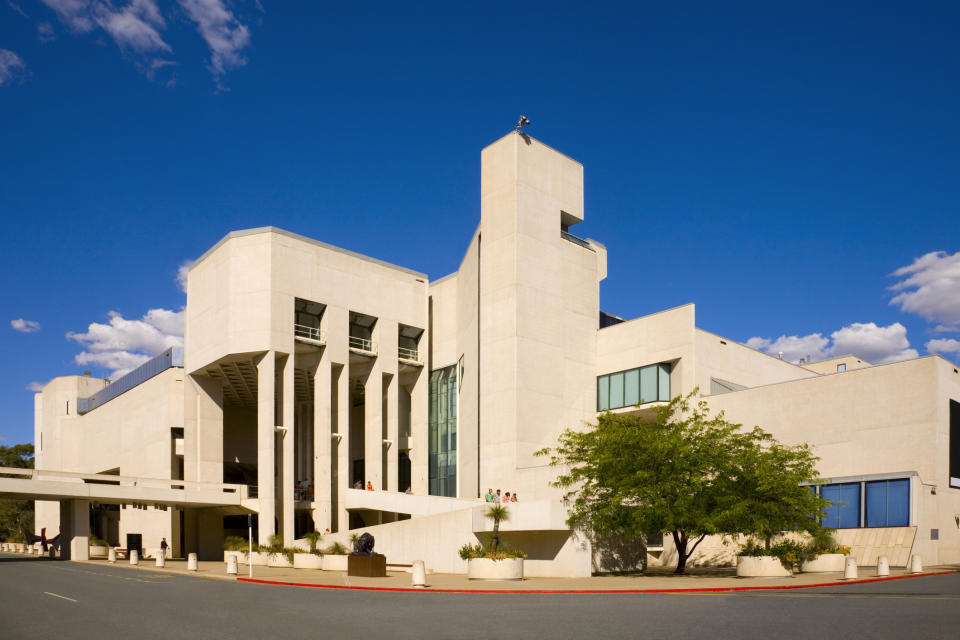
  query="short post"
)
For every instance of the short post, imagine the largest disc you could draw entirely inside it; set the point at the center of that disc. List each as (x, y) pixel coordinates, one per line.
(916, 563)
(192, 562)
(134, 556)
(161, 561)
(419, 574)
(232, 565)
(112, 555)
(883, 566)
(850, 569)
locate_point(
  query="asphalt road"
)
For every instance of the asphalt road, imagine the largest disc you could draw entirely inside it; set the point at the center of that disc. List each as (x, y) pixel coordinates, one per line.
(42, 599)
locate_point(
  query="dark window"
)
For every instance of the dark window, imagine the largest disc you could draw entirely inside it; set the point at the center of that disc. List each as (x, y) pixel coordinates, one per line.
(844, 510)
(955, 444)
(888, 503)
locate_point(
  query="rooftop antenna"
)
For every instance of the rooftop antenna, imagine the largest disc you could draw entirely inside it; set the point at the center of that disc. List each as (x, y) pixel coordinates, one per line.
(522, 122)
(780, 354)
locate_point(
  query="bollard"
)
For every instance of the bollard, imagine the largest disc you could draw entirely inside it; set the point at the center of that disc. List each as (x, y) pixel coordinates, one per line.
(916, 564)
(850, 569)
(232, 565)
(192, 562)
(883, 566)
(134, 557)
(419, 574)
(161, 560)
(112, 555)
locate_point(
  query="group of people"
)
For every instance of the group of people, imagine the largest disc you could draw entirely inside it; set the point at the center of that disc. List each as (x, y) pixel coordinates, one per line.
(359, 485)
(497, 498)
(303, 490)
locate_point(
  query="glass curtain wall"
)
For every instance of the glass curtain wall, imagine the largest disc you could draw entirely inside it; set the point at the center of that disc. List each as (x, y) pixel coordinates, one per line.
(633, 387)
(443, 432)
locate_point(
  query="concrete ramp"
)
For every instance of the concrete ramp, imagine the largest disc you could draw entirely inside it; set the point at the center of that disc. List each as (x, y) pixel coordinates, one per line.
(395, 502)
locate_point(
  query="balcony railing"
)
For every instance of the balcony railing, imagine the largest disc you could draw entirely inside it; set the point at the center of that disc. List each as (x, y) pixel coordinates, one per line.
(575, 240)
(362, 344)
(308, 333)
(408, 354)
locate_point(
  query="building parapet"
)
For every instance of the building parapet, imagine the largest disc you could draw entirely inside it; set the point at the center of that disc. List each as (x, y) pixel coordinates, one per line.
(172, 357)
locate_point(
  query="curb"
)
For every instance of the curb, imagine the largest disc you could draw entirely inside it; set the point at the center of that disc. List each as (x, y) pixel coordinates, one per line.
(595, 591)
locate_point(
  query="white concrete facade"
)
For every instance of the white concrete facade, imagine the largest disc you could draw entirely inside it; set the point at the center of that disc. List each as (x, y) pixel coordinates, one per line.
(309, 368)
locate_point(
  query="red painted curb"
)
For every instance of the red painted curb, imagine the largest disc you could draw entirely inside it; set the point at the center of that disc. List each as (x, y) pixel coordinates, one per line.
(596, 591)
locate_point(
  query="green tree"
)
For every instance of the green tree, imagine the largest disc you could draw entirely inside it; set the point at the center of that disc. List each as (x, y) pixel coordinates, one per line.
(682, 472)
(16, 515)
(498, 513)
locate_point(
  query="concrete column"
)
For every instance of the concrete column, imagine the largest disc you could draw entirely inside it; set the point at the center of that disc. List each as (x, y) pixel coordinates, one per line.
(393, 431)
(420, 438)
(209, 423)
(190, 393)
(322, 446)
(266, 421)
(343, 447)
(287, 475)
(373, 427)
(75, 529)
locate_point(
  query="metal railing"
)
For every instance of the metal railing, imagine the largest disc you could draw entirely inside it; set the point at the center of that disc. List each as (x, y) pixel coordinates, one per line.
(408, 354)
(575, 240)
(363, 344)
(308, 333)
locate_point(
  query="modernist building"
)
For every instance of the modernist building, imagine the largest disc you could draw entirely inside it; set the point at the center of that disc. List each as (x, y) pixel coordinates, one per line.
(309, 370)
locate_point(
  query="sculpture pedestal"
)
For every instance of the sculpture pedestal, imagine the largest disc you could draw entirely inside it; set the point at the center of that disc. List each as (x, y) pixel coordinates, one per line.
(367, 566)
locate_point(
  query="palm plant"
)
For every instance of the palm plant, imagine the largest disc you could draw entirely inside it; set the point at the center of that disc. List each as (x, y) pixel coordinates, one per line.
(499, 513)
(313, 539)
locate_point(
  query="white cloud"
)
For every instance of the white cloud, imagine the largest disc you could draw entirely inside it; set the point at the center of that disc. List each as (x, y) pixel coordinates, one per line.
(943, 345)
(136, 26)
(10, 66)
(36, 387)
(182, 271)
(874, 344)
(931, 288)
(25, 326)
(45, 32)
(811, 347)
(224, 34)
(16, 8)
(125, 344)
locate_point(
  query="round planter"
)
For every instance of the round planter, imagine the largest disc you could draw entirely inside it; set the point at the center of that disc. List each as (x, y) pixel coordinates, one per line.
(334, 562)
(241, 556)
(307, 561)
(825, 562)
(97, 551)
(279, 561)
(761, 567)
(488, 569)
(259, 558)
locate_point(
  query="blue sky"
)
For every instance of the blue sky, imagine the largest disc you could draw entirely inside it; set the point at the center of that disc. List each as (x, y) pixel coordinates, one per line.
(790, 169)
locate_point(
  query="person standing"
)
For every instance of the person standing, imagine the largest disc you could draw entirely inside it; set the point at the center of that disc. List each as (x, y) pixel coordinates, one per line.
(489, 496)
(496, 497)
(163, 548)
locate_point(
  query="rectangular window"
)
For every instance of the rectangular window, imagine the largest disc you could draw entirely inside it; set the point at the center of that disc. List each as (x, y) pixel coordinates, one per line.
(603, 393)
(648, 384)
(631, 388)
(663, 388)
(841, 367)
(616, 390)
(844, 511)
(954, 444)
(442, 431)
(888, 503)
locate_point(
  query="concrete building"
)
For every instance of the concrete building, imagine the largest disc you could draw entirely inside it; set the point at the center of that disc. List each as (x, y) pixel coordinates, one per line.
(311, 374)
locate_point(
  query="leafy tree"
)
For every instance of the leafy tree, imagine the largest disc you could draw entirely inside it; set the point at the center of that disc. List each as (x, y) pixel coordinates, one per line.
(683, 472)
(16, 515)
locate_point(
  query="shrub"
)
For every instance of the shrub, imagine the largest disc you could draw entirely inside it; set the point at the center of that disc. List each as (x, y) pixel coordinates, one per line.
(97, 542)
(480, 550)
(313, 538)
(235, 543)
(336, 549)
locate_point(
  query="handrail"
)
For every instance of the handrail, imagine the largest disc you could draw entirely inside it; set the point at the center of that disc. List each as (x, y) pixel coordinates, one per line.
(363, 344)
(307, 332)
(167, 483)
(408, 354)
(566, 235)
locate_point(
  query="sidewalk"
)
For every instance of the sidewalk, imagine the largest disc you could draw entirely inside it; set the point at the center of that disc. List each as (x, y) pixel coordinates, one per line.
(713, 579)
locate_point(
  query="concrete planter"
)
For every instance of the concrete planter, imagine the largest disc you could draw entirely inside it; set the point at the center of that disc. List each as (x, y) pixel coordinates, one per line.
(241, 556)
(97, 551)
(488, 569)
(334, 562)
(279, 560)
(307, 561)
(259, 558)
(824, 562)
(761, 567)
